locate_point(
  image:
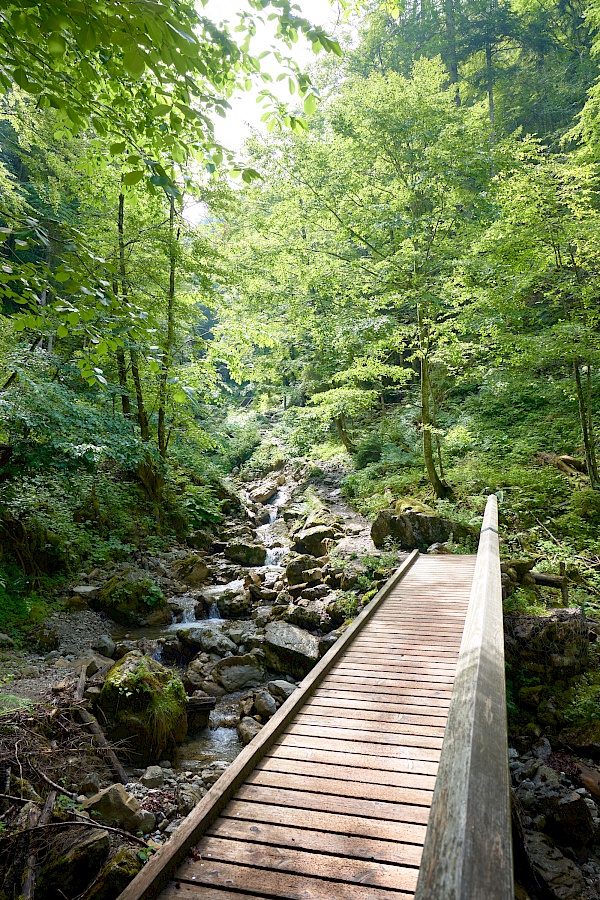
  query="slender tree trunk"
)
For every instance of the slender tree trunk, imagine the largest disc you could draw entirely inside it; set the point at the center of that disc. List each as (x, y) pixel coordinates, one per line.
(142, 415)
(340, 424)
(170, 339)
(440, 488)
(451, 52)
(120, 353)
(490, 92)
(585, 419)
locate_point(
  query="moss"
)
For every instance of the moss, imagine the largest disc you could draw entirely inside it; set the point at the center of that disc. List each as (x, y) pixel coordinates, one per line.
(116, 875)
(145, 705)
(133, 601)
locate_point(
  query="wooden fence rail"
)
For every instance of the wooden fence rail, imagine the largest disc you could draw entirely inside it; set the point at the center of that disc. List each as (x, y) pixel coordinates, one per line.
(468, 852)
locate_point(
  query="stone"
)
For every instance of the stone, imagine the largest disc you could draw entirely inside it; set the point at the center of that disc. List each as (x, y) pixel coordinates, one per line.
(296, 570)
(89, 784)
(199, 540)
(246, 554)
(556, 644)
(232, 600)
(189, 796)
(46, 638)
(115, 807)
(327, 641)
(30, 672)
(130, 599)
(281, 690)
(208, 639)
(117, 874)
(193, 571)
(264, 704)
(264, 492)
(290, 649)
(147, 822)
(92, 663)
(313, 541)
(153, 777)
(248, 729)
(144, 705)
(72, 862)
(236, 673)
(87, 591)
(105, 646)
(570, 822)
(560, 876)
(309, 614)
(412, 530)
(583, 739)
(6, 642)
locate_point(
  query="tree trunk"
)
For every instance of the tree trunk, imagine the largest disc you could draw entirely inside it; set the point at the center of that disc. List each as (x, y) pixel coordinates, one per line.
(585, 419)
(451, 53)
(340, 424)
(440, 488)
(490, 92)
(120, 353)
(170, 339)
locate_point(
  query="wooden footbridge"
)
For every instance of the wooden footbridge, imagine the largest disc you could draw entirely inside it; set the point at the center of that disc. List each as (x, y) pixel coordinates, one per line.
(385, 776)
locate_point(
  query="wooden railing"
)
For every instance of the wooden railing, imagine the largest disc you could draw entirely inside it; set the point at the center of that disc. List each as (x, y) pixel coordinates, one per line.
(468, 851)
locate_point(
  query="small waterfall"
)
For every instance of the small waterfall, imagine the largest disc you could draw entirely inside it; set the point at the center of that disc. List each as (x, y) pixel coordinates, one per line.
(213, 612)
(272, 514)
(188, 608)
(274, 556)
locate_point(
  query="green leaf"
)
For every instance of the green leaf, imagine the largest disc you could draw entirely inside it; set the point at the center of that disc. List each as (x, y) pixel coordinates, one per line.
(134, 62)
(180, 396)
(61, 331)
(117, 148)
(57, 45)
(310, 104)
(133, 177)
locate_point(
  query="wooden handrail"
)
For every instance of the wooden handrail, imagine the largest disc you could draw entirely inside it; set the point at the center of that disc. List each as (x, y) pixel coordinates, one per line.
(468, 850)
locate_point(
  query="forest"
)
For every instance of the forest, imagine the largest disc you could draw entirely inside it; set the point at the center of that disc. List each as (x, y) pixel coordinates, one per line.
(392, 288)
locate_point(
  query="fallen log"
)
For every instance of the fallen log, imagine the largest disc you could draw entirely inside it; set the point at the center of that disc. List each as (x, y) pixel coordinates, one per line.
(560, 582)
(568, 465)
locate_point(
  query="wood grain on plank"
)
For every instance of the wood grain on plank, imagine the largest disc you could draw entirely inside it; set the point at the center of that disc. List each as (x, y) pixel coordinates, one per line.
(402, 755)
(415, 746)
(322, 785)
(347, 770)
(380, 766)
(397, 727)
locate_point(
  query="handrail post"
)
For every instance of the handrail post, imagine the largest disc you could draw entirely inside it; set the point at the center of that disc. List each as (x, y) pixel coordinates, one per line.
(468, 849)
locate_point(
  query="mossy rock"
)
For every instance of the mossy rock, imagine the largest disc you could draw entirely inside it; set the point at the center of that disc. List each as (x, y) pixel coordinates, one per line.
(130, 600)
(144, 704)
(116, 875)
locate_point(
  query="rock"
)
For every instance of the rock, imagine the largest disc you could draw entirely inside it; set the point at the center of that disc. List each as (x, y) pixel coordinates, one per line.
(290, 649)
(115, 807)
(560, 876)
(117, 873)
(105, 646)
(246, 554)
(589, 778)
(89, 784)
(198, 709)
(182, 606)
(235, 673)
(6, 642)
(296, 570)
(30, 672)
(189, 796)
(87, 591)
(193, 571)
(147, 822)
(415, 530)
(144, 704)
(72, 861)
(556, 644)
(92, 663)
(264, 492)
(583, 739)
(531, 695)
(153, 777)
(309, 614)
(281, 690)
(199, 540)
(571, 823)
(130, 599)
(313, 541)
(232, 600)
(248, 729)
(327, 641)
(264, 704)
(209, 639)
(46, 638)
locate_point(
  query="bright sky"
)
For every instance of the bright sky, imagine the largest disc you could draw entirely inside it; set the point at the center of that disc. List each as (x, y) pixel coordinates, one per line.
(246, 112)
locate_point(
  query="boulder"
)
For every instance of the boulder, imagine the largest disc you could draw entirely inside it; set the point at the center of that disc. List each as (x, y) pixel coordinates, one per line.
(264, 491)
(92, 663)
(232, 600)
(264, 704)
(309, 614)
(236, 673)
(290, 649)
(302, 570)
(313, 540)
(71, 862)
(105, 646)
(412, 530)
(153, 777)
(245, 553)
(209, 639)
(555, 645)
(571, 823)
(117, 874)
(583, 739)
(87, 591)
(192, 571)
(6, 642)
(144, 705)
(559, 875)
(130, 599)
(115, 807)
(281, 690)
(248, 729)
(89, 784)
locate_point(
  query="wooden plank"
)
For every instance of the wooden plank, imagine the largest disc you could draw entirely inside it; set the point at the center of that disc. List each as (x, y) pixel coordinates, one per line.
(155, 874)
(300, 862)
(329, 823)
(281, 884)
(468, 849)
(414, 745)
(332, 708)
(341, 787)
(426, 765)
(344, 771)
(319, 841)
(397, 727)
(389, 766)
(334, 803)
(403, 675)
(182, 891)
(392, 685)
(384, 696)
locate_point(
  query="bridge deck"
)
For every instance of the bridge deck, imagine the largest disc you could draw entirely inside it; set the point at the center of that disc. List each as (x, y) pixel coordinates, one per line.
(337, 808)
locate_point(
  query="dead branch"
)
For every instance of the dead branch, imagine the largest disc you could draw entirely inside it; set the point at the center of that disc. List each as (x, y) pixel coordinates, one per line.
(46, 815)
(93, 725)
(44, 777)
